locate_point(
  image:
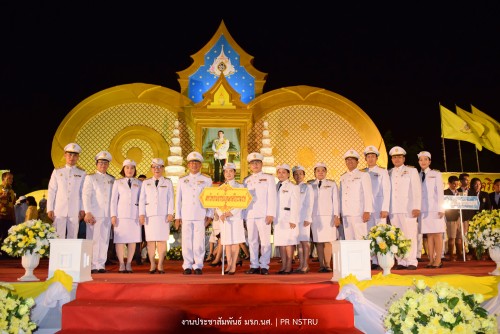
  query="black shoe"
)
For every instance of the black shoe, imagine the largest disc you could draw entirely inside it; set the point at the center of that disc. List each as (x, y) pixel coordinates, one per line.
(187, 271)
(401, 267)
(94, 271)
(102, 271)
(253, 271)
(376, 267)
(161, 272)
(231, 272)
(152, 271)
(438, 266)
(281, 272)
(419, 259)
(239, 263)
(411, 267)
(216, 264)
(198, 272)
(264, 271)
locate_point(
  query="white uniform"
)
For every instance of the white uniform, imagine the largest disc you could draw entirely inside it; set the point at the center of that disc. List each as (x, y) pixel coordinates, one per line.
(306, 207)
(232, 229)
(381, 193)
(64, 197)
(326, 206)
(262, 187)
(355, 198)
(125, 207)
(406, 195)
(432, 203)
(156, 203)
(96, 196)
(188, 208)
(287, 211)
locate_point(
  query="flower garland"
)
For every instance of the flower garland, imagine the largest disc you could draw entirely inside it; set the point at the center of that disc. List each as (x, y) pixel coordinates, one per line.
(15, 311)
(385, 238)
(484, 231)
(441, 309)
(31, 236)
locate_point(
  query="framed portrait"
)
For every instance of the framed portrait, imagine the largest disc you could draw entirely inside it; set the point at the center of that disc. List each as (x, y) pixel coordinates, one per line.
(220, 145)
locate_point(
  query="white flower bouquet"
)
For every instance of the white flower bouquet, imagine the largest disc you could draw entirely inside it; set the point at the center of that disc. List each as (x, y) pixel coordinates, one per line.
(441, 309)
(385, 238)
(484, 231)
(31, 236)
(15, 311)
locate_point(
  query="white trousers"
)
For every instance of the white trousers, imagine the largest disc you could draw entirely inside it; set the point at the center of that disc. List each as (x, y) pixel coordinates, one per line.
(259, 232)
(99, 234)
(409, 227)
(354, 228)
(193, 244)
(67, 226)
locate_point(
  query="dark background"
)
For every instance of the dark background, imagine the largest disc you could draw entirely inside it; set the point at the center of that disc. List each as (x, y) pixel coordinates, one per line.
(397, 62)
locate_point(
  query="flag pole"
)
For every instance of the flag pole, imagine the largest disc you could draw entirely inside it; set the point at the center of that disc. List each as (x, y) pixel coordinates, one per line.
(477, 160)
(442, 140)
(460, 155)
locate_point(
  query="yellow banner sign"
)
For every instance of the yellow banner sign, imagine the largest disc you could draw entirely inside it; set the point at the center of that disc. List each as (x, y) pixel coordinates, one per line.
(225, 198)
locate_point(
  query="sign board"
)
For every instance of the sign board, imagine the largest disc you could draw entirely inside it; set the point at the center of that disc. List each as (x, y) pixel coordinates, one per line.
(225, 198)
(461, 202)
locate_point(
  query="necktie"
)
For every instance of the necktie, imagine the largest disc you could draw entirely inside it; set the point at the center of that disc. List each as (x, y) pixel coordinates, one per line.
(423, 176)
(279, 186)
(129, 183)
(156, 183)
(319, 184)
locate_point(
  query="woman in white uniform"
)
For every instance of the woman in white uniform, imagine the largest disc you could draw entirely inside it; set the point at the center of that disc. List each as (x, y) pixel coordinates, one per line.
(325, 216)
(305, 218)
(231, 224)
(125, 214)
(156, 212)
(431, 220)
(286, 230)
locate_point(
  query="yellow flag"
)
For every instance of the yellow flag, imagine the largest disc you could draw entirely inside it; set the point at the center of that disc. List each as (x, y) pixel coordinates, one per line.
(454, 127)
(490, 139)
(476, 127)
(479, 113)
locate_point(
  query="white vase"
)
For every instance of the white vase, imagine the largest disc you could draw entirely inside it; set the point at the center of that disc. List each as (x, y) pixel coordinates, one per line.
(386, 262)
(495, 256)
(29, 262)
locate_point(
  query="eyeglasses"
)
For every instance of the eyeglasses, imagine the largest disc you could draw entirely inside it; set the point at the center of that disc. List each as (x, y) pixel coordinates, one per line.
(157, 167)
(100, 162)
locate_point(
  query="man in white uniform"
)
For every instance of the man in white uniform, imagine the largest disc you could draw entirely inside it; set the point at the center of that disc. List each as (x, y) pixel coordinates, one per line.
(97, 190)
(355, 198)
(406, 201)
(192, 215)
(64, 196)
(381, 192)
(259, 214)
(220, 146)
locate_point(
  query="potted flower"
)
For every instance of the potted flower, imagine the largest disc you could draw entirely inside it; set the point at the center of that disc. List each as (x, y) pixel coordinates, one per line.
(15, 311)
(386, 241)
(441, 309)
(484, 232)
(30, 240)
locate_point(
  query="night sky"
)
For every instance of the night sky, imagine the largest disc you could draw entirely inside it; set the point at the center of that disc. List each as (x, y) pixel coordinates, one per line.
(396, 62)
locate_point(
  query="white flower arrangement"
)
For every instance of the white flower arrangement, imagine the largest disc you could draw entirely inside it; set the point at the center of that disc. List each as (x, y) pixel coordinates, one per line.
(31, 236)
(15, 312)
(385, 238)
(484, 231)
(441, 309)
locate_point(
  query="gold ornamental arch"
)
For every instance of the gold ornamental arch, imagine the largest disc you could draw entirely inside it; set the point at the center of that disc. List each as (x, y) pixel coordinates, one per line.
(134, 121)
(309, 124)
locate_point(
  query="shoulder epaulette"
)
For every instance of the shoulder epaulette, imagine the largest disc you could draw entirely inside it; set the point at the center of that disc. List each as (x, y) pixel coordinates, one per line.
(310, 181)
(409, 166)
(60, 167)
(332, 180)
(364, 169)
(342, 174)
(380, 167)
(91, 174)
(246, 177)
(206, 175)
(80, 168)
(437, 170)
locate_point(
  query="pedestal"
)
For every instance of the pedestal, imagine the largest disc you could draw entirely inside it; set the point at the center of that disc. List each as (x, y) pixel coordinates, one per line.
(73, 256)
(351, 257)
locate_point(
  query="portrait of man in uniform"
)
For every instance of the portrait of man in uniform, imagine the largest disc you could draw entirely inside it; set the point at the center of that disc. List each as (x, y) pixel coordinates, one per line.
(220, 146)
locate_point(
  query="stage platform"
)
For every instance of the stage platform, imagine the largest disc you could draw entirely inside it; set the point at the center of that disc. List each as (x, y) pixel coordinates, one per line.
(173, 303)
